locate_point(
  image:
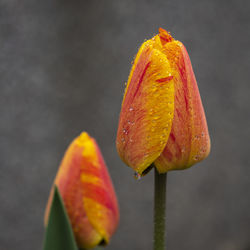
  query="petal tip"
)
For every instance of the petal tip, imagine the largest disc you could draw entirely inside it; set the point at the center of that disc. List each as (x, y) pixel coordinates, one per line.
(165, 36)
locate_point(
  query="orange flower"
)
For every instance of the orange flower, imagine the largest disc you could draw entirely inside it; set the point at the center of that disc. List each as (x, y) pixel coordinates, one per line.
(162, 120)
(88, 194)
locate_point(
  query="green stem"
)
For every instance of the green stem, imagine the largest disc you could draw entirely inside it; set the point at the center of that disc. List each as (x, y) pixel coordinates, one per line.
(159, 210)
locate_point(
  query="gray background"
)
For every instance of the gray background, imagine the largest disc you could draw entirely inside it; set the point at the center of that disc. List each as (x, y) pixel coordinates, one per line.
(63, 65)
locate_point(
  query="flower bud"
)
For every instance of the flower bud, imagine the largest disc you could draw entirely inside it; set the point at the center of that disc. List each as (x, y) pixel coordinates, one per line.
(87, 192)
(162, 120)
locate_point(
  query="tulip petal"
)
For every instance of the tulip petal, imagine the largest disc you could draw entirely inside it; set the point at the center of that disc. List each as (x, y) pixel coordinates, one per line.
(99, 197)
(86, 188)
(189, 140)
(147, 109)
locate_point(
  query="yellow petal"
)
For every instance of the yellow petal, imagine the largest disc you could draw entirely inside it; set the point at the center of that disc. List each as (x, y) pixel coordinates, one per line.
(147, 109)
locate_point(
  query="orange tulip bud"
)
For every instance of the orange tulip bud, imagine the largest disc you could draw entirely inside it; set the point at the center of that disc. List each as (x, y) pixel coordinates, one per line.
(87, 192)
(162, 120)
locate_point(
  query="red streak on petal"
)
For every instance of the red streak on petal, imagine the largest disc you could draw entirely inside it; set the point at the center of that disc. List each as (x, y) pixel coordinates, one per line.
(182, 70)
(165, 79)
(186, 102)
(172, 136)
(165, 36)
(168, 155)
(99, 195)
(141, 78)
(177, 145)
(178, 113)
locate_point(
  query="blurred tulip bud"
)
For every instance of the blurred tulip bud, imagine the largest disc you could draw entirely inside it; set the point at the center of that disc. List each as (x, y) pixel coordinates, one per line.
(162, 120)
(87, 192)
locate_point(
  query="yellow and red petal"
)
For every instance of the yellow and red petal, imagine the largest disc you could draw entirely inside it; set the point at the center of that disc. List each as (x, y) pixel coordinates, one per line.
(189, 140)
(164, 123)
(147, 109)
(87, 192)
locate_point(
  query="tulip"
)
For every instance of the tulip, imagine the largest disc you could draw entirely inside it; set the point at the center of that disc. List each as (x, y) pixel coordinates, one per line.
(87, 192)
(162, 121)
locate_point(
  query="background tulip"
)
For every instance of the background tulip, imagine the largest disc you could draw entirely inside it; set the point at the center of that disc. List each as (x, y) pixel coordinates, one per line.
(87, 192)
(162, 120)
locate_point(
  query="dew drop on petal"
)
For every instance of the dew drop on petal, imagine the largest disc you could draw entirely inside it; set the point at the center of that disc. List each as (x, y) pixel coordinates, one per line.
(196, 157)
(130, 122)
(125, 131)
(137, 176)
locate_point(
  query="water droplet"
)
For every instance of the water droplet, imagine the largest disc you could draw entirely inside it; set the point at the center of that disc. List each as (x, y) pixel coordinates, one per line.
(123, 140)
(131, 109)
(131, 123)
(163, 136)
(196, 137)
(203, 150)
(196, 157)
(125, 131)
(137, 176)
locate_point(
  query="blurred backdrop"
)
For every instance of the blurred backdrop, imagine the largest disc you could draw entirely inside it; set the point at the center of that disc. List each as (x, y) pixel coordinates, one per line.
(63, 65)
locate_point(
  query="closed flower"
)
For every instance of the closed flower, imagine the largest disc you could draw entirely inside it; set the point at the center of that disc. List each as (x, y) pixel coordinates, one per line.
(87, 192)
(162, 120)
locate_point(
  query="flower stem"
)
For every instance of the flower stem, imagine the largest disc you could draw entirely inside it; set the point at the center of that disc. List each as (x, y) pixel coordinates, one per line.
(159, 210)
